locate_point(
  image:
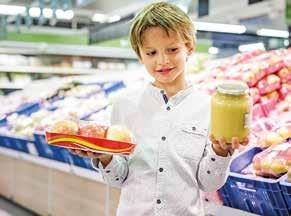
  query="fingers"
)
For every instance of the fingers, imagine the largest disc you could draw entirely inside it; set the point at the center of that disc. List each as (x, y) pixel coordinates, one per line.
(222, 143)
(213, 140)
(88, 154)
(245, 141)
(235, 143)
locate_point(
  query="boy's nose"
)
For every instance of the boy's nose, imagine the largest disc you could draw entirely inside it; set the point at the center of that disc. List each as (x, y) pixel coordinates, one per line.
(163, 59)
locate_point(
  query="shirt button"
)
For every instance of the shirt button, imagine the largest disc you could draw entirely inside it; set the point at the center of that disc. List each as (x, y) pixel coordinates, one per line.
(213, 159)
(163, 138)
(117, 179)
(193, 128)
(168, 108)
(161, 169)
(159, 201)
(208, 172)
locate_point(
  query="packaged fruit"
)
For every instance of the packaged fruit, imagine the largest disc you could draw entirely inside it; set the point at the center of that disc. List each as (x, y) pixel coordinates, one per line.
(273, 161)
(231, 112)
(89, 136)
(93, 130)
(119, 133)
(269, 84)
(65, 127)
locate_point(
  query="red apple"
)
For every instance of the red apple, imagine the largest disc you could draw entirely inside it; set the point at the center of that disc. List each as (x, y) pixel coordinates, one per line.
(65, 127)
(93, 130)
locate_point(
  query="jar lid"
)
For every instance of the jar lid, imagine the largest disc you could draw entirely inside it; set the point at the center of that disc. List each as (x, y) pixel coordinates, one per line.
(232, 88)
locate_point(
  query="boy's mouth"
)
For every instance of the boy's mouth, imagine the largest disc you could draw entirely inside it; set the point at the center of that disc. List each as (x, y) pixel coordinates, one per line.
(165, 70)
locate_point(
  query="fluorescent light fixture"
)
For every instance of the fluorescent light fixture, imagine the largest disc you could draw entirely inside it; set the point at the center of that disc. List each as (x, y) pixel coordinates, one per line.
(48, 13)
(273, 33)
(97, 17)
(213, 50)
(65, 15)
(114, 18)
(218, 27)
(34, 12)
(251, 47)
(11, 10)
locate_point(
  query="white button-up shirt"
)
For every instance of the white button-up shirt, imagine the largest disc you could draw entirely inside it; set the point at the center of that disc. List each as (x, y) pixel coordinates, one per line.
(173, 160)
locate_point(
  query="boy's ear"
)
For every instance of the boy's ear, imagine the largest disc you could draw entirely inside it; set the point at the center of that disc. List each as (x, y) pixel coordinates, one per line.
(191, 49)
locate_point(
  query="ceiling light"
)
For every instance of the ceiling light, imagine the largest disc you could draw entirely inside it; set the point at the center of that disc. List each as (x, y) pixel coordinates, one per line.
(97, 17)
(11, 9)
(114, 18)
(273, 33)
(65, 15)
(213, 50)
(217, 27)
(251, 47)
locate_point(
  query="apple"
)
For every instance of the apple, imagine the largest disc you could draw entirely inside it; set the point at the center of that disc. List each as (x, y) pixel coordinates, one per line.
(284, 132)
(93, 130)
(273, 138)
(119, 133)
(265, 165)
(278, 167)
(65, 127)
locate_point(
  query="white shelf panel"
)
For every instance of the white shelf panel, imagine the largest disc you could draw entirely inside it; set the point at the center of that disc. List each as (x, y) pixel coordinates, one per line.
(47, 70)
(82, 172)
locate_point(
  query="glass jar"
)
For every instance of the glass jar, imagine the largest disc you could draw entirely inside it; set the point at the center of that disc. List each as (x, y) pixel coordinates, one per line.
(231, 111)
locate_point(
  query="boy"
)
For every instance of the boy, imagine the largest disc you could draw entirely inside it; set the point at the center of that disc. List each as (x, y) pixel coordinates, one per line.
(169, 118)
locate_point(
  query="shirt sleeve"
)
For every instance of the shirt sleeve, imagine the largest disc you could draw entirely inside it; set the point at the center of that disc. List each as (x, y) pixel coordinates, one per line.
(213, 170)
(115, 173)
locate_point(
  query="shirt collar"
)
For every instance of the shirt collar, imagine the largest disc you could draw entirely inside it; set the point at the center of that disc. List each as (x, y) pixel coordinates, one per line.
(176, 99)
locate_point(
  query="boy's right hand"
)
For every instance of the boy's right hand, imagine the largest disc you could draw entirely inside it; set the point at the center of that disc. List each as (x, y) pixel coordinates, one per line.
(105, 159)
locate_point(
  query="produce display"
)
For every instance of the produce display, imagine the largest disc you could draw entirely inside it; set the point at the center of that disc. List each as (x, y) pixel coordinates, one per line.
(272, 162)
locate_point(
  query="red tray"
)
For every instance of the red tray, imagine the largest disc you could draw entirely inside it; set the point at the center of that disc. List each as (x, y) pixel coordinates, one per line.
(89, 143)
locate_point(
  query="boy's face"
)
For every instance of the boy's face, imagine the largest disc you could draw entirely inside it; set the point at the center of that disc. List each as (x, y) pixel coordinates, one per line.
(164, 56)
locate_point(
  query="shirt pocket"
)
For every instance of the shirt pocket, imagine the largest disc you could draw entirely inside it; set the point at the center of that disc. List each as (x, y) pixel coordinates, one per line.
(191, 141)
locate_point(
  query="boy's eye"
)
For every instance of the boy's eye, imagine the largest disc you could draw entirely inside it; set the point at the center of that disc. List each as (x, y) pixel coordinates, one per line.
(151, 53)
(172, 50)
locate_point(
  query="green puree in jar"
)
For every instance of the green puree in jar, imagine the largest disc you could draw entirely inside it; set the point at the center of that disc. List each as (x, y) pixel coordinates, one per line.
(230, 111)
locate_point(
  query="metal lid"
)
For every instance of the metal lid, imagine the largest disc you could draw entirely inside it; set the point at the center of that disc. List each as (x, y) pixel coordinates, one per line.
(232, 88)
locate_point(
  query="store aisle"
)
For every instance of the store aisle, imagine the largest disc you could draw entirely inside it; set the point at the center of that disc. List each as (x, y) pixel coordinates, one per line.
(8, 208)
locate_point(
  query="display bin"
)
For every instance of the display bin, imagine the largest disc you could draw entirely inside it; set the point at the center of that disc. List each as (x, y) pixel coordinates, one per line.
(252, 193)
(57, 153)
(17, 143)
(47, 151)
(26, 109)
(112, 86)
(286, 189)
(82, 162)
(14, 142)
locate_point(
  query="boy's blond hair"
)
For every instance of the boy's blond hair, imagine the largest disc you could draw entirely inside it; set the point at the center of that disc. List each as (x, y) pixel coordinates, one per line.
(167, 16)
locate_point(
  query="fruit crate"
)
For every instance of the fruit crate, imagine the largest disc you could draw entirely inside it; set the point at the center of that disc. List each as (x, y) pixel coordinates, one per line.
(47, 151)
(286, 189)
(19, 143)
(252, 193)
(59, 154)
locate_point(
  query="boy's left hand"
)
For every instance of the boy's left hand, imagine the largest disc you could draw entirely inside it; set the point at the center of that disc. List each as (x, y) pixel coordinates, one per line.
(221, 148)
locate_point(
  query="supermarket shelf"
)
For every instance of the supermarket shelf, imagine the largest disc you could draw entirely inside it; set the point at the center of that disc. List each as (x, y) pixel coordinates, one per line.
(11, 86)
(47, 70)
(82, 172)
(26, 48)
(215, 209)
